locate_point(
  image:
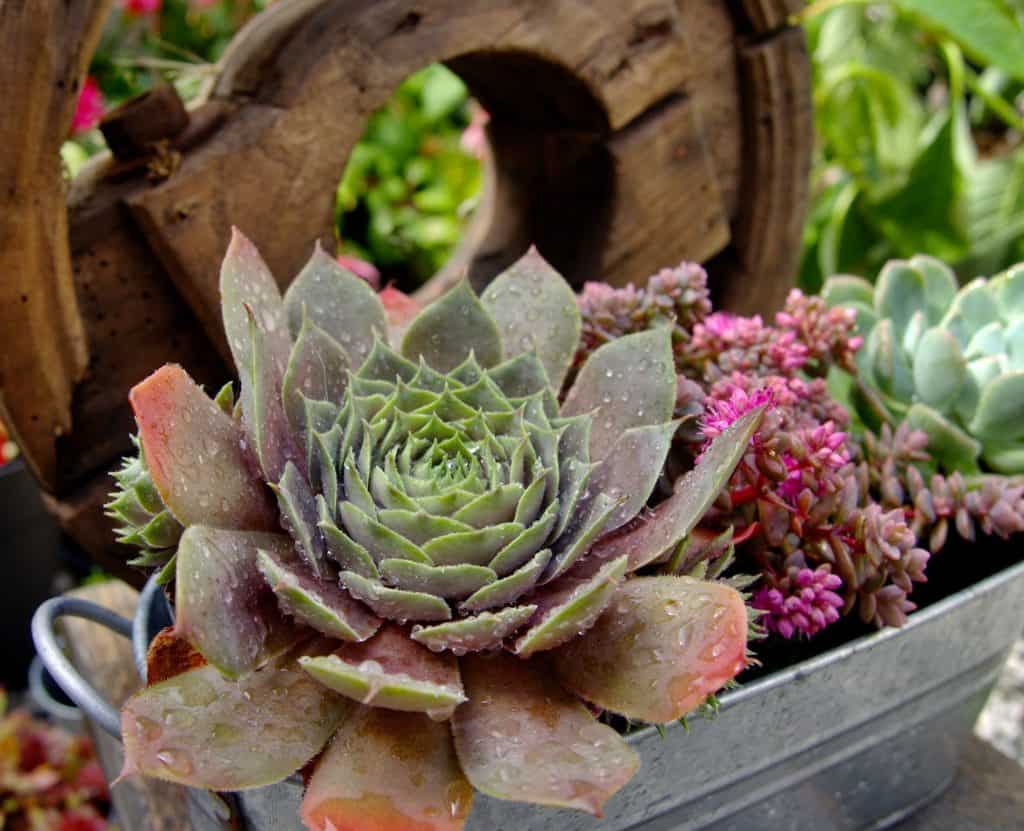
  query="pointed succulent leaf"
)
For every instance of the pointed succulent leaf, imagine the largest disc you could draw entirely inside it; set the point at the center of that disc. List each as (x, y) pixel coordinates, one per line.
(523, 547)
(378, 539)
(263, 408)
(629, 382)
(521, 376)
(222, 604)
(581, 534)
(450, 328)
(225, 398)
(570, 607)
(660, 649)
(299, 517)
(630, 471)
(677, 516)
(391, 671)
(395, 604)
(1000, 413)
(939, 368)
(388, 771)
(317, 603)
(521, 737)
(450, 582)
(338, 302)
(536, 311)
(317, 370)
(194, 455)
(246, 284)
(477, 546)
(486, 630)
(198, 728)
(947, 443)
(507, 589)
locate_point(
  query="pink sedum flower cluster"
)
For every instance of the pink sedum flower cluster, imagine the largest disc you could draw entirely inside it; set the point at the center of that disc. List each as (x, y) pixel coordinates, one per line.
(802, 602)
(89, 109)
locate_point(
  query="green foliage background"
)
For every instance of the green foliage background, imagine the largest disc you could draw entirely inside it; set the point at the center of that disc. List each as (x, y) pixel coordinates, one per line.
(917, 109)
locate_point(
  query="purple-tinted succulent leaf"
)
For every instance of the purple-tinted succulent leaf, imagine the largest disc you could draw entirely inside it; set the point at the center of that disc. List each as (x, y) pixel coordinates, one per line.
(588, 524)
(507, 589)
(630, 471)
(395, 604)
(262, 407)
(317, 370)
(629, 382)
(536, 311)
(652, 536)
(569, 607)
(450, 328)
(341, 304)
(486, 630)
(521, 376)
(660, 649)
(203, 730)
(391, 671)
(388, 771)
(194, 455)
(451, 582)
(477, 546)
(222, 604)
(299, 517)
(316, 603)
(245, 281)
(522, 737)
(521, 549)
(378, 539)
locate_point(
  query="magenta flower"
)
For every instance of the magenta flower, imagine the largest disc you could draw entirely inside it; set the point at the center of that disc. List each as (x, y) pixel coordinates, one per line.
(474, 137)
(361, 268)
(89, 109)
(803, 602)
(723, 410)
(141, 7)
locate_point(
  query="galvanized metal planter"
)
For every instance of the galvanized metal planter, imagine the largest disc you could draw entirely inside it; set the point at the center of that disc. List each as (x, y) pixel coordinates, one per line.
(856, 738)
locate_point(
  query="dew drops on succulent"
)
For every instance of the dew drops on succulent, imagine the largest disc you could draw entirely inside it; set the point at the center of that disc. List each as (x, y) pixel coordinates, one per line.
(401, 555)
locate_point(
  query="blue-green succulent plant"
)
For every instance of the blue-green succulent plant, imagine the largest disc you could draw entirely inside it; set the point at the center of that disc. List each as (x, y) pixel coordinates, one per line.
(944, 359)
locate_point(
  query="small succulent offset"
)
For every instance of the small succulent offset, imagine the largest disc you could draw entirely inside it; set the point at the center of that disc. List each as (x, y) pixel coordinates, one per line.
(944, 360)
(456, 575)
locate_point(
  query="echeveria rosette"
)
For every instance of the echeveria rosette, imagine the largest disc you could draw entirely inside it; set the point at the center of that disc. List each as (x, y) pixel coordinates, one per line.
(947, 360)
(457, 571)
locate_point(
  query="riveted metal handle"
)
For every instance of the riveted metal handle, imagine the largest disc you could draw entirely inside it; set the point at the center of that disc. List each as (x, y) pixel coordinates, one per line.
(44, 634)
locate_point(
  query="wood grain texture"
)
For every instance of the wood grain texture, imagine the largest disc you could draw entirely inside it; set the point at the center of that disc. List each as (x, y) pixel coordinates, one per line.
(105, 660)
(626, 136)
(44, 51)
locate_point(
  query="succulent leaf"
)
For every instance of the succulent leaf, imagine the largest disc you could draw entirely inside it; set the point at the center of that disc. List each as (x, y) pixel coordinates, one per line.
(338, 303)
(940, 285)
(939, 368)
(660, 649)
(1000, 413)
(678, 515)
(486, 630)
(389, 670)
(899, 292)
(387, 771)
(194, 455)
(449, 329)
(222, 603)
(536, 312)
(950, 445)
(198, 727)
(317, 370)
(629, 382)
(846, 289)
(520, 736)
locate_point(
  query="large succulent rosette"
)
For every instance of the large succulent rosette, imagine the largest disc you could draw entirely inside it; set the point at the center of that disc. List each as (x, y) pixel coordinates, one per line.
(409, 564)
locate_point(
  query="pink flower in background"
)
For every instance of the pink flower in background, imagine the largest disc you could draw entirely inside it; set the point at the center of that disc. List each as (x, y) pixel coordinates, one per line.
(361, 268)
(474, 137)
(89, 109)
(141, 7)
(721, 412)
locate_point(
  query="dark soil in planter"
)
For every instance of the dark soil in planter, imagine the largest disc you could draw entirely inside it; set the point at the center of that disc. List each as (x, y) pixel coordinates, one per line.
(959, 565)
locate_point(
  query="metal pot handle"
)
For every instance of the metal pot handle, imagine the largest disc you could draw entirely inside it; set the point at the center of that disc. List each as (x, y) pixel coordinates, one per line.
(44, 634)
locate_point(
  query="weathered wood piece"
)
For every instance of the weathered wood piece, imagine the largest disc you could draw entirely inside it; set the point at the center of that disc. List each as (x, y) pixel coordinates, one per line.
(626, 136)
(44, 51)
(104, 659)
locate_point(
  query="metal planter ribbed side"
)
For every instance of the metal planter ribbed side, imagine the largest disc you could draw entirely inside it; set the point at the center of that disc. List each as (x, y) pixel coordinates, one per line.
(856, 738)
